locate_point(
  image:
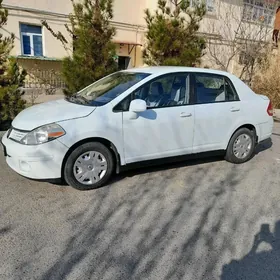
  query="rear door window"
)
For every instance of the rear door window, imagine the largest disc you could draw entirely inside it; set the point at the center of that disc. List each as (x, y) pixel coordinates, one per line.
(211, 88)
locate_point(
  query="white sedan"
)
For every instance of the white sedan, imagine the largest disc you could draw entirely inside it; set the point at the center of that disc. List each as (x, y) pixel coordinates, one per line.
(137, 115)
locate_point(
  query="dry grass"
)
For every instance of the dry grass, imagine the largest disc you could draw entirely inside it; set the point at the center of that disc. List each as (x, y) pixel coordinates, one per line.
(267, 80)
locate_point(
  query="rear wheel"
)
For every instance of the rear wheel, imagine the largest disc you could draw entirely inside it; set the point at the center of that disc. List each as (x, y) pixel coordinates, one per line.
(89, 166)
(241, 146)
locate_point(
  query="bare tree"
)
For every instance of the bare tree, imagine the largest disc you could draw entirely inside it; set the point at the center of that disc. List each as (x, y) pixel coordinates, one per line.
(240, 36)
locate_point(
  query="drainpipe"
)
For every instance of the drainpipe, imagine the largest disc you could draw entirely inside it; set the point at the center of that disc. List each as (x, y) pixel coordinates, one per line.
(135, 51)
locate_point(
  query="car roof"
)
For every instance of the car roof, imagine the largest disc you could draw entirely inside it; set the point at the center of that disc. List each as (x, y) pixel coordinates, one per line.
(158, 70)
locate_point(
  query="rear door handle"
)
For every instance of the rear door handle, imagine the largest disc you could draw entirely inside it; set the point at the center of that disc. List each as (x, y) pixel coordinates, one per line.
(234, 109)
(185, 115)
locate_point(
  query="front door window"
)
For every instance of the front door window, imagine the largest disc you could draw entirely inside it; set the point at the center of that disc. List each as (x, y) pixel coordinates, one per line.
(166, 91)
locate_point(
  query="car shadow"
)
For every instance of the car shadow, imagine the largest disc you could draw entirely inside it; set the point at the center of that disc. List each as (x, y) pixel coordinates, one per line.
(165, 164)
(152, 166)
(179, 162)
(263, 146)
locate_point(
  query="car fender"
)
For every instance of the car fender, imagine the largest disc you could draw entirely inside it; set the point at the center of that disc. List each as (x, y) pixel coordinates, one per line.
(238, 125)
(107, 131)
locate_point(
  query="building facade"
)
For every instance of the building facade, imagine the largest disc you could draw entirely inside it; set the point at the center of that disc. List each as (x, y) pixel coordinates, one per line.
(35, 45)
(36, 48)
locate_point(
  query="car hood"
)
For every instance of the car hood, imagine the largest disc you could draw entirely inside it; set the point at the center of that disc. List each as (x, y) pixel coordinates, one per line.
(50, 112)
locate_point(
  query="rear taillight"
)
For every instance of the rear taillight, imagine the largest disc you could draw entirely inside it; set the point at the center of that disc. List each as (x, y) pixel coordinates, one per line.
(270, 109)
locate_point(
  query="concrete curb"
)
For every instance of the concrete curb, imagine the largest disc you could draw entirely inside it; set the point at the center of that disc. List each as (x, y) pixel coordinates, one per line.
(276, 115)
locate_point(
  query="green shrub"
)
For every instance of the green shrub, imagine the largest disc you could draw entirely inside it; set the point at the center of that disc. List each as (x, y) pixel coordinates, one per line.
(92, 48)
(172, 33)
(11, 76)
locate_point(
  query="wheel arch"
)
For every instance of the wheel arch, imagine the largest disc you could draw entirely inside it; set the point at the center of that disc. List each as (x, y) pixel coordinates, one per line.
(248, 126)
(101, 140)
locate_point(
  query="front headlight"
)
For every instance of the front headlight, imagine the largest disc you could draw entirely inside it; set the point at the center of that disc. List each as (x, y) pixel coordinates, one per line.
(43, 134)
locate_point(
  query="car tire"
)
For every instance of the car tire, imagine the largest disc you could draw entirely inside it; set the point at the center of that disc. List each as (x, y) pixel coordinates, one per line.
(85, 163)
(236, 155)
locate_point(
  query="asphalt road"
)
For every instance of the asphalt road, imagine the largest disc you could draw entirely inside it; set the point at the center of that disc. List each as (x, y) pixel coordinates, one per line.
(205, 219)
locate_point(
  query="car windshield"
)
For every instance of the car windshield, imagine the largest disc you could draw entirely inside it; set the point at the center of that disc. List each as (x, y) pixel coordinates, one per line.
(107, 89)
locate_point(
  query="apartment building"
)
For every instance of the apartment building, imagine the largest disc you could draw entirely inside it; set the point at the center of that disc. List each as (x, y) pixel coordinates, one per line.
(36, 48)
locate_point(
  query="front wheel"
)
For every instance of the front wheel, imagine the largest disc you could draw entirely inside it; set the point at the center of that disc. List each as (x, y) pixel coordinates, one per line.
(89, 166)
(241, 146)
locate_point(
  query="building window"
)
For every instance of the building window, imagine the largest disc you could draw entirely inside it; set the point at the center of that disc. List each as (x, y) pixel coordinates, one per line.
(31, 40)
(258, 11)
(209, 4)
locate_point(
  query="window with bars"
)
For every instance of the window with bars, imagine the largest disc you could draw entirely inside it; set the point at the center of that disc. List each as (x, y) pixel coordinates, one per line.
(258, 11)
(209, 4)
(31, 40)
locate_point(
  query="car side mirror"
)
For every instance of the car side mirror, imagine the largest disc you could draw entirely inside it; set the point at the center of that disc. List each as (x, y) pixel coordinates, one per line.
(138, 106)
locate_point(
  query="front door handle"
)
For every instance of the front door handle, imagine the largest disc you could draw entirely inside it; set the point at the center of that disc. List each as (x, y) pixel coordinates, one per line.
(185, 115)
(234, 109)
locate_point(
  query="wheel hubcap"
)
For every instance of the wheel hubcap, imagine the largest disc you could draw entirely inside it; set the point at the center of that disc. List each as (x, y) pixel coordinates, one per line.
(90, 168)
(242, 146)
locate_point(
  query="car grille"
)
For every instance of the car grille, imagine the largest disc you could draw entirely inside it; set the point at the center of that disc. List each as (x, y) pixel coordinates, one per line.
(16, 135)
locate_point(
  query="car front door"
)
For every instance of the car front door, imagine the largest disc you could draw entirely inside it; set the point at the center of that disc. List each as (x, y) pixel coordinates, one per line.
(166, 127)
(217, 109)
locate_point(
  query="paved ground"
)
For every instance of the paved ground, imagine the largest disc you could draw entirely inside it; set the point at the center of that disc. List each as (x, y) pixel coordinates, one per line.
(197, 220)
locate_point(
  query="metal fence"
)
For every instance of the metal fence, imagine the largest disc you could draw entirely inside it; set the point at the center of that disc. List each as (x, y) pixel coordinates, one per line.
(48, 80)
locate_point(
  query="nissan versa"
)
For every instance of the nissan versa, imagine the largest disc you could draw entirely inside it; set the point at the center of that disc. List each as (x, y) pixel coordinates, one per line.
(137, 115)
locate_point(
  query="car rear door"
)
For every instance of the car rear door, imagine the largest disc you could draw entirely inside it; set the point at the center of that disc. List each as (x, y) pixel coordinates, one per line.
(217, 110)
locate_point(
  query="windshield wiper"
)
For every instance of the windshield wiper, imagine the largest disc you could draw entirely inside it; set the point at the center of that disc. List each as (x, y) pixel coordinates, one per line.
(78, 99)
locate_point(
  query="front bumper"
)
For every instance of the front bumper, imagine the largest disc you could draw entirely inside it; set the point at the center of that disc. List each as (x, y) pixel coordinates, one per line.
(36, 162)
